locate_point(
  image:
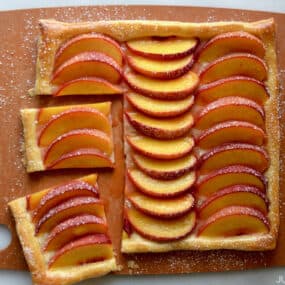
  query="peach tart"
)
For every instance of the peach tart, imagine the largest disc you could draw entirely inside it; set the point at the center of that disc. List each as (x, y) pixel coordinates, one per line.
(74, 136)
(64, 232)
(201, 134)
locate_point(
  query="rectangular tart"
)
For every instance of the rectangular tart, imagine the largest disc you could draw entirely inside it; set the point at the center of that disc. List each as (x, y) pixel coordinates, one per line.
(152, 49)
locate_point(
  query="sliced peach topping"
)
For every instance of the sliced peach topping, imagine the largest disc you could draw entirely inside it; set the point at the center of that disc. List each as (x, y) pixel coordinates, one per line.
(161, 230)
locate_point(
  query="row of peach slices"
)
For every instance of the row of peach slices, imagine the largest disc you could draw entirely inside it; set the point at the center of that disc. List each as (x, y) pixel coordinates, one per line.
(71, 220)
(75, 136)
(230, 123)
(159, 207)
(88, 64)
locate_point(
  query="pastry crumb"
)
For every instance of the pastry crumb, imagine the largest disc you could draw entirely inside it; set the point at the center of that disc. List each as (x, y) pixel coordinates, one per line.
(132, 264)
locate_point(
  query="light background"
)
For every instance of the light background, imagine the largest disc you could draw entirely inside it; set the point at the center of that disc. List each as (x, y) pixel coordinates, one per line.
(254, 277)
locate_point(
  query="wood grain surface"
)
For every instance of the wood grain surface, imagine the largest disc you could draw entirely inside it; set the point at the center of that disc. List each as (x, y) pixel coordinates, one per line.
(19, 31)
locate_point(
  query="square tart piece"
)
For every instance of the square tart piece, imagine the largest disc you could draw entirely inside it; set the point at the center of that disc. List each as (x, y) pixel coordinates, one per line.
(73, 136)
(221, 192)
(64, 233)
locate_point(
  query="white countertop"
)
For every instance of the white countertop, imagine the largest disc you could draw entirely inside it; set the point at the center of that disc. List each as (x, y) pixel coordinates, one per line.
(253, 277)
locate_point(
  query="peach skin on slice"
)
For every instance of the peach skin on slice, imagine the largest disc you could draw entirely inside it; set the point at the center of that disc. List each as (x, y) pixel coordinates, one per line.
(45, 114)
(87, 64)
(67, 209)
(87, 249)
(76, 139)
(61, 193)
(237, 195)
(88, 42)
(234, 221)
(231, 42)
(88, 86)
(163, 48)
(230, 108)
(234, 64)
(159, 108)
(229, 176)
(82, 158)
(161, 149)
(162, 188)
(241, 86)
(162, 69)
(162, 208)
(172, 89)
(77, 118)
(74, 228)
(34, 199)
(231, 131)
(168, 128)
(234, 153)
(158, 229)
(161, 169)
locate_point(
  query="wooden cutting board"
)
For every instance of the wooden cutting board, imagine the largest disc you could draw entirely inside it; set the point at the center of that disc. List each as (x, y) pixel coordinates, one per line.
(19, 31)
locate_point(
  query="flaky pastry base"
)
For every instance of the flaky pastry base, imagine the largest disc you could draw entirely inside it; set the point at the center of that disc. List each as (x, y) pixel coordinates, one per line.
(41, 275)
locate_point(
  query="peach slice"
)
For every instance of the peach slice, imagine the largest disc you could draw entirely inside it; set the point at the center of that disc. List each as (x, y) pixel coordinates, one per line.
(229, 176)
(45, 114)
(61, 193)
(67, 209)
(233, 86)
(82, 158)
(163, 47)
(230, 108)
(158, 229)
(34, 199)
(159, 108)
(88, 42)
(161, 128)
(162, 69)
(161, 169)
(231, 131)
(77, 118)
(172, 89)
(161, 149)
(162, 208)
(90, 248)
(88, 86)
(76, 139)
(87, 64)
(74, 228)
(235, 153)
(231, 42)
(162, 188)
(234, 64)
(237, 195)
(234, 221)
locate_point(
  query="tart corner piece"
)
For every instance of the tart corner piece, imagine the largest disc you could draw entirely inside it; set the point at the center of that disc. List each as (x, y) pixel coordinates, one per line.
(63, 265)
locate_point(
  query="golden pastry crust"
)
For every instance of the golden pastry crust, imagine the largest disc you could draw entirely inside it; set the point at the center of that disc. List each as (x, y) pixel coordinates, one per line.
(41, 275)
(33, 157)
(265, 30)
(54, 33)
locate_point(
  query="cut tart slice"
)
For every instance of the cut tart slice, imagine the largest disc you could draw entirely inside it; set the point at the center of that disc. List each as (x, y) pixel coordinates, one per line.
(75, 136)
(72, 248)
